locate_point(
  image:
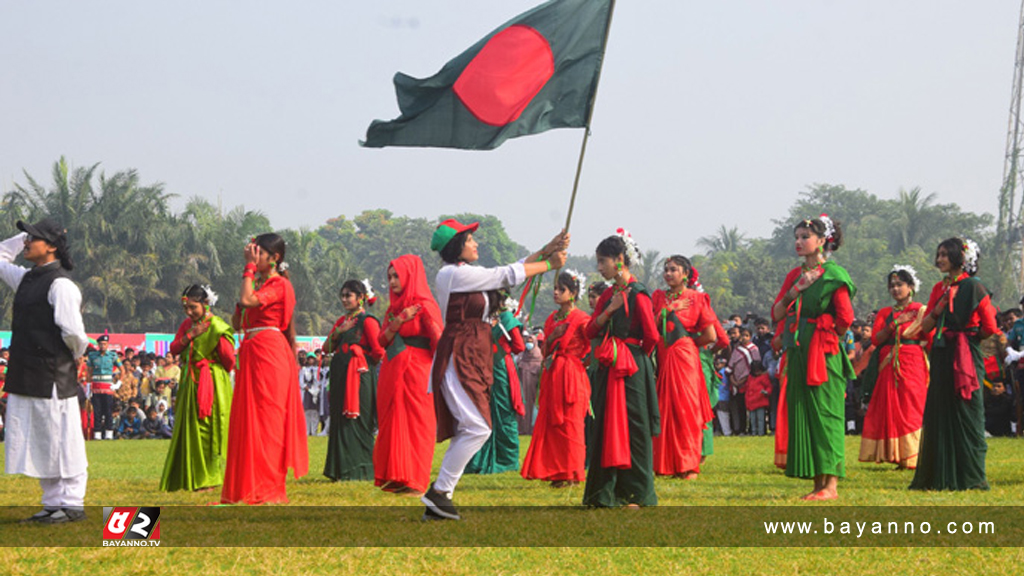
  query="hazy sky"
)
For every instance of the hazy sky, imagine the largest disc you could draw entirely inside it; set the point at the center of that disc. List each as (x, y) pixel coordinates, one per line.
(708, 113)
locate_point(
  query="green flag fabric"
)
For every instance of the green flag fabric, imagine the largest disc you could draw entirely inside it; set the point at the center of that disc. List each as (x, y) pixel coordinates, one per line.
(536, 72)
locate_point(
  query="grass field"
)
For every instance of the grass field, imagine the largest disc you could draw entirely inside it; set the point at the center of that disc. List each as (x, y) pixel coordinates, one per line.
(739, 474)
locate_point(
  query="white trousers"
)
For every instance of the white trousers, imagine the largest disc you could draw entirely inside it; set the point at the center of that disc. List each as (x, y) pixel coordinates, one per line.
(312, 422)
(724, 422)
(471, 432)
(64, 492)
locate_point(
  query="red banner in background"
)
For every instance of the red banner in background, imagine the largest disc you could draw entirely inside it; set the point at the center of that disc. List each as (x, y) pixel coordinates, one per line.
(120, 342)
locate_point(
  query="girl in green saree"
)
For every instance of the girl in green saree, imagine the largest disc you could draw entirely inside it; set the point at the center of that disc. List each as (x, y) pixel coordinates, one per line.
(206, 344)
(952, 453)
(814, 305)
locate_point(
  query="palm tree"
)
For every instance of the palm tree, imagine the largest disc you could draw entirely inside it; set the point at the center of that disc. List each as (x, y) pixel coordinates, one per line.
(724, 240)
(911, 219)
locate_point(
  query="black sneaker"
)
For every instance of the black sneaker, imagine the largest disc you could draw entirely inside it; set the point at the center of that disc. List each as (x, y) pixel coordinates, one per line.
(440, 504)
(39, 516)
(63, 516)
(429, 516)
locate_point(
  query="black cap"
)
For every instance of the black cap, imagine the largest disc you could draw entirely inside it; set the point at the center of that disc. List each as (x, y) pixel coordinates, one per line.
(46, 229)
(103, 338)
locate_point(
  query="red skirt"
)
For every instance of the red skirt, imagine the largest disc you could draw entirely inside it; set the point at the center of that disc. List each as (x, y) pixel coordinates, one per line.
(782, 419)
(558, 449)
(406, 420)
(267, 431)
(892, 425)
(684, 407)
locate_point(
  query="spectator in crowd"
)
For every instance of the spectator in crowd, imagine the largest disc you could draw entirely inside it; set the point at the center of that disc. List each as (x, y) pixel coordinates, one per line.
(154, 426)
(739, 369)
(998, 411)
(762, 335)
(145, 377)
(130, 427)
(529, 368)
(724, 396)
(167, 371)
(309, 385)
(160, 393)
(325, 396)
(759, 388)
(3, 368)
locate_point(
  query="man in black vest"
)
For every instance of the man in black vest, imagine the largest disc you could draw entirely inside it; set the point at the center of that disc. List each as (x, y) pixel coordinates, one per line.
(43, 424)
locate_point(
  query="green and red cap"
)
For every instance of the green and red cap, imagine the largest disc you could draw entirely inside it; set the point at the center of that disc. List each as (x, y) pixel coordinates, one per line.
(447, 230)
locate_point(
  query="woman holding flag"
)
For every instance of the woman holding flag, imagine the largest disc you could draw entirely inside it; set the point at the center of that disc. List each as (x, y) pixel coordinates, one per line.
(624, 396)
(206, 344)
(355, 342)
(462, 372)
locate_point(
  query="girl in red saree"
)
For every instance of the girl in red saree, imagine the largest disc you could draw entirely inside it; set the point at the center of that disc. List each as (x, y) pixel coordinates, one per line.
(687, 323)
(266, 433)
(892, 425)
(405, 406)
(558, 448)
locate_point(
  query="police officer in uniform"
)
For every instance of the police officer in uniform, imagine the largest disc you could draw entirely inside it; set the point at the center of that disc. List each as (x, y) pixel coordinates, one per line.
(43, 424)
(102, 364)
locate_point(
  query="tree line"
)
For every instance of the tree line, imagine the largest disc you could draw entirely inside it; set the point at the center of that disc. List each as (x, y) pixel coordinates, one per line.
(134, 254)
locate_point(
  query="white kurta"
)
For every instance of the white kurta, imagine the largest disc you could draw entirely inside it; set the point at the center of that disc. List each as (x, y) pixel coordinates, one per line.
(472, 430)
(44, 435)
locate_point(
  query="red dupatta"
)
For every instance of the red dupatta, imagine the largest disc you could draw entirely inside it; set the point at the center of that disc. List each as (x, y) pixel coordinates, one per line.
(415, 290)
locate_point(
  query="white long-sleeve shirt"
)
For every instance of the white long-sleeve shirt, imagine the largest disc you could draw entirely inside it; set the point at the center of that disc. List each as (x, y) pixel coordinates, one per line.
(64, 295)
(460, 278)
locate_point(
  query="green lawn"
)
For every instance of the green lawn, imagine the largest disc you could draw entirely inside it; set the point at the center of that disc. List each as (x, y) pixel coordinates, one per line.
(739, 474)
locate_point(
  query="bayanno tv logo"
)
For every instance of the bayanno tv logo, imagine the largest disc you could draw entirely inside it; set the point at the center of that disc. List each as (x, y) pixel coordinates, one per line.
(131, 526)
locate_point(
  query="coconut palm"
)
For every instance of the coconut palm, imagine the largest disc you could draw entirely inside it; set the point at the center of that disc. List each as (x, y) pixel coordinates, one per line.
(723, 240)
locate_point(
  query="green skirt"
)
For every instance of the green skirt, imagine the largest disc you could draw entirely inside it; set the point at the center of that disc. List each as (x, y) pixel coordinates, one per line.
(953, 447)
(501, 451)
(195, 459)
(350, 440)
(817, 418)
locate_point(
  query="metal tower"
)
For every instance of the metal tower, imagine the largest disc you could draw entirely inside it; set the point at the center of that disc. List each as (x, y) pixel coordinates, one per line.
(1009, 231)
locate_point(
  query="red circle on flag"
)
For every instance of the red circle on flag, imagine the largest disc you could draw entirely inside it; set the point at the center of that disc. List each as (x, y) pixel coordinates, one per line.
(499, 83)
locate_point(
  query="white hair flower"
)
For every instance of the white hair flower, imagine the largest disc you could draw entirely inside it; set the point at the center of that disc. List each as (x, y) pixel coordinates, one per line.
(580, 278)
(915, 283)
(632, 248)
(370, 295)
(211, 296)
(830, 226)
(971, 252)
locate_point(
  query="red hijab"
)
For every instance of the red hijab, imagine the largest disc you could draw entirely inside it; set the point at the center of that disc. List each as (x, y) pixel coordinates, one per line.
(415, 290)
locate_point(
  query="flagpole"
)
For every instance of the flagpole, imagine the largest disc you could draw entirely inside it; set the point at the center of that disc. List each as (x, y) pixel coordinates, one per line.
(590, 115)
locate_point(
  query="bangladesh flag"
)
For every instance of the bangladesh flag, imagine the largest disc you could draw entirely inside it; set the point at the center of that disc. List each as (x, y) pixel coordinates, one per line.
(536, 72)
